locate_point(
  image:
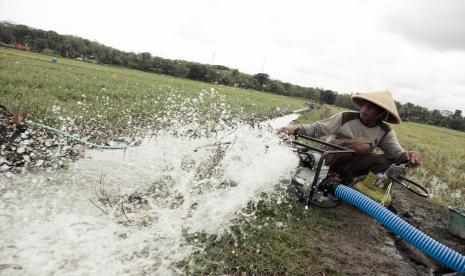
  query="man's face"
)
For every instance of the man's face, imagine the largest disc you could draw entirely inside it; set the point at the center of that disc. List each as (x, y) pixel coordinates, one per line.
(369, 112)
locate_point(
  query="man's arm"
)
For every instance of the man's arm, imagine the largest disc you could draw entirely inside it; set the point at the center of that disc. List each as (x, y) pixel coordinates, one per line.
(290, 130)
(316, 129)
(393, 150)
(322, 127)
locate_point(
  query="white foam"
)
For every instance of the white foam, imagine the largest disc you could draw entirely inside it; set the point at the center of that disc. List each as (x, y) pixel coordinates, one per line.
(49, 226)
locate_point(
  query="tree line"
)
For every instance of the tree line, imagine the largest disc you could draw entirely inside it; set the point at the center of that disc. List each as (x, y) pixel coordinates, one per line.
(70, 46)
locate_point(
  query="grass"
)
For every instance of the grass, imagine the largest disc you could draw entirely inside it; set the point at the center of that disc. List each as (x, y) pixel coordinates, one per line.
(277, 233)
(272, 236)
(115, 101)
(443, 158)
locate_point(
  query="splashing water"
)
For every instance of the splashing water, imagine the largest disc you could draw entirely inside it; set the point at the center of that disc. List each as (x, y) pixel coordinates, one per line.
(133, 220)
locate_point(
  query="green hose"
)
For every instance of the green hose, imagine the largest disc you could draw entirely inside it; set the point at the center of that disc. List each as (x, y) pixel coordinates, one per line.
(74, 138)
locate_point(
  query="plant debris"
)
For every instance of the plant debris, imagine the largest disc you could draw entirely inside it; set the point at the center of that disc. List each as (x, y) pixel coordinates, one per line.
(23, 148)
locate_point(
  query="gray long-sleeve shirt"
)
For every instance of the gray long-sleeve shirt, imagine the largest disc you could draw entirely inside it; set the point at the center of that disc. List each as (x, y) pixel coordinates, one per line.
(347, 125)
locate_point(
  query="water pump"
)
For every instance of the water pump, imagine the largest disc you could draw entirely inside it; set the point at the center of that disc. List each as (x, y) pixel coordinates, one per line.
(314, 187)
(311, 179)
(312, 184)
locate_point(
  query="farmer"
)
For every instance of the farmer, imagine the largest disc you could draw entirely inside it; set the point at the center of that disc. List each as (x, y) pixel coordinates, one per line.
(363, 132)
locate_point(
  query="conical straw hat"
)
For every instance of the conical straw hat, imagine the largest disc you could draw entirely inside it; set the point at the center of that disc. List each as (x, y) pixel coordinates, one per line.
(382, 99)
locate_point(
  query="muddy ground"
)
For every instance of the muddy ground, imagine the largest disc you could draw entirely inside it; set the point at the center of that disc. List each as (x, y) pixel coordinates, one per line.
(364, 247)
(24, 148)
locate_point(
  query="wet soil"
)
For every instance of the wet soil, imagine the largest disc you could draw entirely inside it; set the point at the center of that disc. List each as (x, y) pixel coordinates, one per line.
(364, 247)
(24, 148)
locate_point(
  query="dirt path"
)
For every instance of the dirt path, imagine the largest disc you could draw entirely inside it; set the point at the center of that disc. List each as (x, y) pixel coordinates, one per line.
(364, 247)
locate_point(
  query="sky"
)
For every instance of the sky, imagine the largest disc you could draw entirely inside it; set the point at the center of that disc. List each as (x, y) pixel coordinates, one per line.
(414, 48)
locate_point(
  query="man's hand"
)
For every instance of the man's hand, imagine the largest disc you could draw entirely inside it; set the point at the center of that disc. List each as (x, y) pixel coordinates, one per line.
(289, 130)
(414, 158)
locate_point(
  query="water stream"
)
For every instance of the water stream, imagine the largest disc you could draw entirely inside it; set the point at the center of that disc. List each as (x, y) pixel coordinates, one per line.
(125, 212)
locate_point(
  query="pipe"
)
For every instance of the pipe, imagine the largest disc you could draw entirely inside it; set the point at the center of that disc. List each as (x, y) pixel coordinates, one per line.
(74, 138)
(417, 238)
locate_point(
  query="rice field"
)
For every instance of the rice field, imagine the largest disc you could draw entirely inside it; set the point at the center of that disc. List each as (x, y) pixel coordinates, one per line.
(101, 102)
(80, 96)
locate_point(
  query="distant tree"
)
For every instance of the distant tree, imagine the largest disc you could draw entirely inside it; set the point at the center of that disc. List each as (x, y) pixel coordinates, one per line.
(227, 80)
(328, 96)
(457, 114)
(436, 118)
(261, 80)
(287, 88)
(66, 44)
(212, 75)
(197, 72)
(295, 90)
(145, 60)
(456, 121)
(220, 67)
(345, 100)
(6, 35)
(311, 93)
(175, 68)
(181, 69)
(41, 44)
(276, 87)
(77, 45)
(116, 57)
(241, 80)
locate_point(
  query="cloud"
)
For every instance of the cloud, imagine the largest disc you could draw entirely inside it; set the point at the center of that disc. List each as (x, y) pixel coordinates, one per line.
(437, 24)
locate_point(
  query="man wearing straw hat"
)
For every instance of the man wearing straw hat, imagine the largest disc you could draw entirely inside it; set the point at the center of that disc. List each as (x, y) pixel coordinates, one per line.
(363, 132)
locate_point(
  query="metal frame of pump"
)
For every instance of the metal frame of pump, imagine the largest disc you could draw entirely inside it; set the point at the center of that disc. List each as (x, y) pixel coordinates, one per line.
(307, 159)
(307, 154)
